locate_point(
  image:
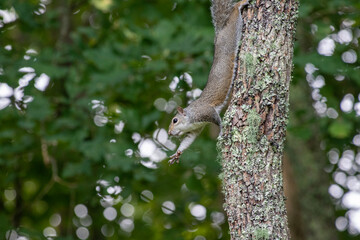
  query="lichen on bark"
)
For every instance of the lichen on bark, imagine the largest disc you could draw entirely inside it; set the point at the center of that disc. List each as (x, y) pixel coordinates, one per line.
(255, 123)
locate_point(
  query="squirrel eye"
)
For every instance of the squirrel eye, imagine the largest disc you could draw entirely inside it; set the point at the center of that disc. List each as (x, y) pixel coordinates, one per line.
(175, 120)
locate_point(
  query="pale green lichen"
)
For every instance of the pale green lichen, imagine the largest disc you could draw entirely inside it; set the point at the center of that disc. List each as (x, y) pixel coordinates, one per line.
(250, 132)
(261, 234)
(264, 144)
(273, 46)
(251, 63)
(262, 52)
(236, 136)
(245, 107)
(262, 84)
(235, 151)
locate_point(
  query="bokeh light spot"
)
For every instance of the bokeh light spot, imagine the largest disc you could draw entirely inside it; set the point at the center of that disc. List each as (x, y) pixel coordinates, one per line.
(127, 225)
(335, 191)
(80, 210)
(127, 209)
(198, 211)
(82, 233)
(110, 213)
(168, 207)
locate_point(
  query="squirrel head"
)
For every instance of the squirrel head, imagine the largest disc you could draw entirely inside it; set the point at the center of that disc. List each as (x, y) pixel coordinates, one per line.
(179, 123)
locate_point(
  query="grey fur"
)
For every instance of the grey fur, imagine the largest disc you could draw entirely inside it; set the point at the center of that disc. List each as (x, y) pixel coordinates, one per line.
(203, 112)
(224, 68)
(220, 11)
(228, 23)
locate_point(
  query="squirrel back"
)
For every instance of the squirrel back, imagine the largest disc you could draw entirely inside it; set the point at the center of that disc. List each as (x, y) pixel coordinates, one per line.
(228, 24)
(220, 12)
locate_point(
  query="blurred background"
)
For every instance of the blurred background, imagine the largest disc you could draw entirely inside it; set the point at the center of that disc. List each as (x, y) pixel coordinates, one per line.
(88, 88)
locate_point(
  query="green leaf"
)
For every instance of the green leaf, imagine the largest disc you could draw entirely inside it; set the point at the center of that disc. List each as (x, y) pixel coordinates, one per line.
(340, 129)
(302, 132)
(4, 223)
(39, 109)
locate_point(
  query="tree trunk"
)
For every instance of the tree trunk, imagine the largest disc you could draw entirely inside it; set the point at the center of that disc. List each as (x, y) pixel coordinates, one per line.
(254, 124)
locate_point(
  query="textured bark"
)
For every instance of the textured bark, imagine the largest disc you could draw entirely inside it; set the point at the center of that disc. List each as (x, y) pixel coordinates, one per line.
(254, 124)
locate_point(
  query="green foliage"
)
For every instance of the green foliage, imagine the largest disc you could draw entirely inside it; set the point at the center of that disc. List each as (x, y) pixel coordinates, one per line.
(79, 141)
(340, 129)
(331, 82)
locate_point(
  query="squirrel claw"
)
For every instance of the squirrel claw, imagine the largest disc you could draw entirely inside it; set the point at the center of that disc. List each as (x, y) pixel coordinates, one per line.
(175, 157)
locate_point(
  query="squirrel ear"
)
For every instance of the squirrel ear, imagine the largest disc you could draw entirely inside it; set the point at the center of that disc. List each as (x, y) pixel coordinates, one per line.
(180, 110)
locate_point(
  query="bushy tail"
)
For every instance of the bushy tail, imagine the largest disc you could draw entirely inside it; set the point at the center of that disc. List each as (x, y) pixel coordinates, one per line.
(220, 11)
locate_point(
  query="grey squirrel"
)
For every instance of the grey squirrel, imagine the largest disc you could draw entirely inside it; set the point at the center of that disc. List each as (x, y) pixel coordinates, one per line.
(191, 120)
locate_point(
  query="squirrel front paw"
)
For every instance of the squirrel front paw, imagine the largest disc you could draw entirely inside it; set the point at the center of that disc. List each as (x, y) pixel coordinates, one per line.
(175, 157)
